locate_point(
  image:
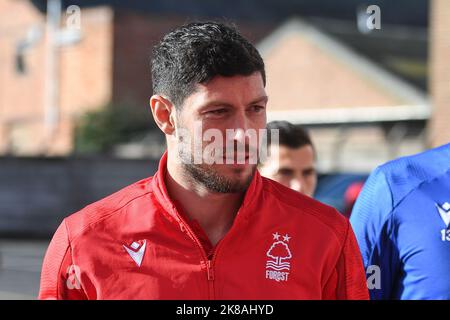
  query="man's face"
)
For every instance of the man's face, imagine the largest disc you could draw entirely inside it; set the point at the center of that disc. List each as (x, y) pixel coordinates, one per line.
(234, 104)
(295, 168)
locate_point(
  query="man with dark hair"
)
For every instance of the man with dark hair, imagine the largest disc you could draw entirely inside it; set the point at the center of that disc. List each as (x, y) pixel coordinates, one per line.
(292, 161)
(202, 229)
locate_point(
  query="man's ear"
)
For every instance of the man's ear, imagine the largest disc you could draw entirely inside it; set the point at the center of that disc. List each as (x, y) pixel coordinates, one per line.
(164, 113)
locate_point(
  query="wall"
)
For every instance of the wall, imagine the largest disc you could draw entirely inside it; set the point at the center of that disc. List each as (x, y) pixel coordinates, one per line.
(37, 193)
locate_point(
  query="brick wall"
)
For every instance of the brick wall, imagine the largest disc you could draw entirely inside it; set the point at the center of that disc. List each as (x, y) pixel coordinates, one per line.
(315, 79)
(21, 94)
(86, 73)
(85, 78)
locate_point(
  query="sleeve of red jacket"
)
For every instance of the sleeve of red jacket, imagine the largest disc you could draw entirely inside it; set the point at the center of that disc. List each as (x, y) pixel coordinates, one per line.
(60, 277)
(348, 280)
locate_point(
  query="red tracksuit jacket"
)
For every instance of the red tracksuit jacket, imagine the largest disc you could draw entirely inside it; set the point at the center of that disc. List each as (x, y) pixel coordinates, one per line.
(134, 244)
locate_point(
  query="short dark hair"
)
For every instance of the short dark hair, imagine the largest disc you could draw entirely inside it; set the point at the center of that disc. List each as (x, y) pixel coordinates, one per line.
(196, 53)
(290, 135)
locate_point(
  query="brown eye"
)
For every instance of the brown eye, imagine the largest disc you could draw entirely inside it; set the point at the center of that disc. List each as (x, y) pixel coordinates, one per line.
(218, 111)
(257, 109)
(309, 172)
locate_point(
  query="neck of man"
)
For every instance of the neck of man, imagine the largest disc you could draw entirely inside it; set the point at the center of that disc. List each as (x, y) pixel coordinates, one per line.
(215, 212)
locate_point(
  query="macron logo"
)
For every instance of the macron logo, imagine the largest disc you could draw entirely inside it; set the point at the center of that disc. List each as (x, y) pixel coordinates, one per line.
(444, 212)
(136, 251)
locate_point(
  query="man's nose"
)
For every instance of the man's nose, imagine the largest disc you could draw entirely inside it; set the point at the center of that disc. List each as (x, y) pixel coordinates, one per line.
(240, 127)
(296, 184)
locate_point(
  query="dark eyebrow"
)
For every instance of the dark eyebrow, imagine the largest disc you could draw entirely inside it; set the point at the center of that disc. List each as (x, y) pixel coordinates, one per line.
(210, 105)
(216, 103)
(225, 104)
(260, 99)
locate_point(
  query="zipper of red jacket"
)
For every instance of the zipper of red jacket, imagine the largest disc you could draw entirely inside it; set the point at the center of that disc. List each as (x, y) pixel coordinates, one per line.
(208, 262)
(211, 262)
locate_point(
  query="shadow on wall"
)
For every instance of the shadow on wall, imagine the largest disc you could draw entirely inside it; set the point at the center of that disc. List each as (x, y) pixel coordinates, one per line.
(37, 193)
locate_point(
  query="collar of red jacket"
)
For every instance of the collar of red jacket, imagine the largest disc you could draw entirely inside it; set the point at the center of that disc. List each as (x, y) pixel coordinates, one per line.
(159, 189)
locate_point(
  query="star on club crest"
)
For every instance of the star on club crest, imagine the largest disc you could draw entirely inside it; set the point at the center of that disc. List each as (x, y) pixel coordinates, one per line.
(276, 236)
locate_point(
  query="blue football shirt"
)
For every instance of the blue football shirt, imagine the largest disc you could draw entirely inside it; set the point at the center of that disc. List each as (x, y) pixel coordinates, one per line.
(401, 221)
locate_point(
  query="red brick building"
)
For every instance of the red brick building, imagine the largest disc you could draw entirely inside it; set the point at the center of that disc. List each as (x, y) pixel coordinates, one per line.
(323, 75)
(110, 63)
(84, 77)
(357, 111)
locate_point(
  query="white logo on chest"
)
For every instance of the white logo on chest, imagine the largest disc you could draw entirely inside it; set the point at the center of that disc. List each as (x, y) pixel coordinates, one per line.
(136, 251)
(278, 267)
(444, 212)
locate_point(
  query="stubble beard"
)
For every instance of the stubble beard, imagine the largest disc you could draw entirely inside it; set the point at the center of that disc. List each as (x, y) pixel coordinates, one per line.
(204, 175)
